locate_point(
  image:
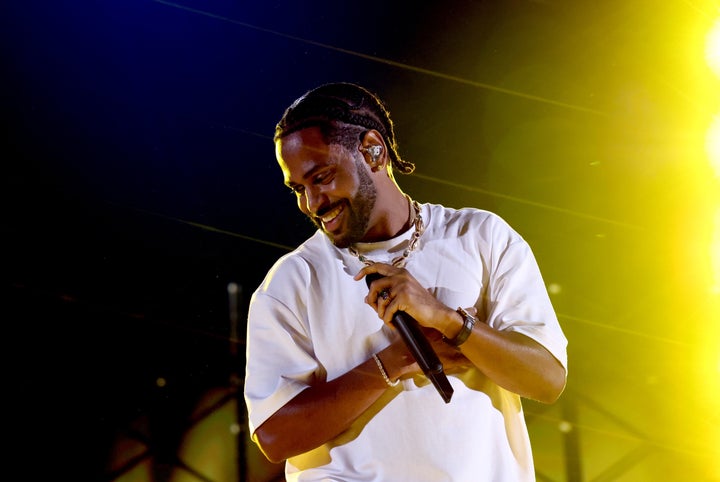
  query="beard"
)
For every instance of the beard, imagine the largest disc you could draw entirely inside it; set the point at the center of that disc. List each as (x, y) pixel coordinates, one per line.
(357, 210)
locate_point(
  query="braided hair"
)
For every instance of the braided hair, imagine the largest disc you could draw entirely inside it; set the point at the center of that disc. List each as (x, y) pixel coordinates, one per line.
(343, 112)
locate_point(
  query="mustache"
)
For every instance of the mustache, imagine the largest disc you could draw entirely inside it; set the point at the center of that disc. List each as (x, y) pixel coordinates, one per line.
(326, 209)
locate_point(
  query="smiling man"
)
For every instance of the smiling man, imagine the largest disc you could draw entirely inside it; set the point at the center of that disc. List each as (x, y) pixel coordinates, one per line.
(346, 218)
(331, 388)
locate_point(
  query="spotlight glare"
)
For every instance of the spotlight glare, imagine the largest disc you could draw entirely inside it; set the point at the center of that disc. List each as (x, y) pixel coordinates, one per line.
(712, 145)
(554, 288)
(715, 254)
(712, 50)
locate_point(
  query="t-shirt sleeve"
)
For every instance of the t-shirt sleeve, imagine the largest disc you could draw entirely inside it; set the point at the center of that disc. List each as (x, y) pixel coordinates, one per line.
(279, 354)
(517, 299)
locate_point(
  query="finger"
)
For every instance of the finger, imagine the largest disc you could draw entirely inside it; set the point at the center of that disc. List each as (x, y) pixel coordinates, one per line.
(378, 297)
(387, 308)
(379, 268)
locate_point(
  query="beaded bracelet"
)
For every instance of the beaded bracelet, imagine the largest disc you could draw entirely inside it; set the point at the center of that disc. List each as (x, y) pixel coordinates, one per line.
(383, 372)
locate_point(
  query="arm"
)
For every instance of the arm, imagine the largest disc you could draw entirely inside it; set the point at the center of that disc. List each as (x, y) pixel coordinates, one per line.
(323, 411)
(512, 360)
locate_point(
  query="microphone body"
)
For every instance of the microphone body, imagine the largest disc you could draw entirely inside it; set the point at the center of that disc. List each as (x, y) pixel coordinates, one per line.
(420, 348)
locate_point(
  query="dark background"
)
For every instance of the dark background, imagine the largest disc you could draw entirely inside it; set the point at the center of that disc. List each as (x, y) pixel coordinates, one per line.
(139, 181)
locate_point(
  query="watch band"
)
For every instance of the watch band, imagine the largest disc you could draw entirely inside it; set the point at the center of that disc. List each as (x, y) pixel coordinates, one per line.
(468, 324)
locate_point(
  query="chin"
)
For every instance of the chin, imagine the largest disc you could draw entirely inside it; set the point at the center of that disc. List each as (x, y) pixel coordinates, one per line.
(339, 241)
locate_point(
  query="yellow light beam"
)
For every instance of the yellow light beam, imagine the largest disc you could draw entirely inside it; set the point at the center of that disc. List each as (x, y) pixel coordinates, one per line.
(712, 49)
(712, 145)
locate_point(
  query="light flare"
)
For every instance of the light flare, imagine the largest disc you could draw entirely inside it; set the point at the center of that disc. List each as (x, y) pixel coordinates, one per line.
(712, 145)
(715, 257)
(712, 48)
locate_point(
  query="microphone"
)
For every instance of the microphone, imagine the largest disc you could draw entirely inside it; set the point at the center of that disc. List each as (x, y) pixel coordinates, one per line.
(420, 348)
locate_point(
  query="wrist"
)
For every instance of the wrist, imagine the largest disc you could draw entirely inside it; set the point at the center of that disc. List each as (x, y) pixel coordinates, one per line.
(453, 324)
(460, 336)
(383, 372)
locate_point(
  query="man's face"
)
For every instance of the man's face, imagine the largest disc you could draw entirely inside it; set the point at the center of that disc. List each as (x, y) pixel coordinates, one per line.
(332, 185)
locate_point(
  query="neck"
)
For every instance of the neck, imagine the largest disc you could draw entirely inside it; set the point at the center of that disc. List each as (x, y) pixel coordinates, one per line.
(395, 217)
(419, 228)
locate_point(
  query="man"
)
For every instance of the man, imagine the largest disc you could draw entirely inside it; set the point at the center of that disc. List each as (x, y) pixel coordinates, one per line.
(330, 386)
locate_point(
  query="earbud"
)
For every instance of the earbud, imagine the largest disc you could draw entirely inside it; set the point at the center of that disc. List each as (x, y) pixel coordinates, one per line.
(374, 152)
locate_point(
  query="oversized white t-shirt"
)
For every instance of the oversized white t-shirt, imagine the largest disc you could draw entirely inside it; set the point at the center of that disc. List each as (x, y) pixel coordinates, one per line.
(308, 321)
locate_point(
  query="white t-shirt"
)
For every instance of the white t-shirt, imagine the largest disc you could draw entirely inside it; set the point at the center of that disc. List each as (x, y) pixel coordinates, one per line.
(308, 321)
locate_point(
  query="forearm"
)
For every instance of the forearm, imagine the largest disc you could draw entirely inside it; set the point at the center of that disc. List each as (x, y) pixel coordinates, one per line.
(510, 359)
(515, 362)
(320, 413)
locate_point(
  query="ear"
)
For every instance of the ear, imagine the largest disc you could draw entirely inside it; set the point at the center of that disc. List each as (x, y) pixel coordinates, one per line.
(372, 146)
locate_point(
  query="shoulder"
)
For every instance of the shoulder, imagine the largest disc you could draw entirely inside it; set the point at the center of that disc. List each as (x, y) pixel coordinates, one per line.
(467, 220)
(295, 267)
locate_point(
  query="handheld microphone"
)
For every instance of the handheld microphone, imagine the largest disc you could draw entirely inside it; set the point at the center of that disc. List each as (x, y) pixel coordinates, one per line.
(420, 348)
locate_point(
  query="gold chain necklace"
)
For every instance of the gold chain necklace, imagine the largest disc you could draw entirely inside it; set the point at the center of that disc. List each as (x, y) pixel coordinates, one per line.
(399, 262)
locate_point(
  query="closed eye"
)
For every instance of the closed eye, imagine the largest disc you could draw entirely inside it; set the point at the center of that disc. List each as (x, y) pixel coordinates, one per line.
(297, 189)
(323, 178)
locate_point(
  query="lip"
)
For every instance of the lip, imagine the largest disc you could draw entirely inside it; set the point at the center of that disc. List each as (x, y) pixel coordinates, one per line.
(332, 219)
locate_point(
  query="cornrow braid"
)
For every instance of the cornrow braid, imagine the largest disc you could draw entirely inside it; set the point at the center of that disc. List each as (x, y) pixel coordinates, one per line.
(333, 107)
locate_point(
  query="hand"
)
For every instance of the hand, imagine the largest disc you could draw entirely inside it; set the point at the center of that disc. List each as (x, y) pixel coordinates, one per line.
(398, 290)
(400, 364)
(453, 360)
